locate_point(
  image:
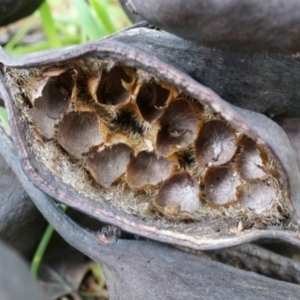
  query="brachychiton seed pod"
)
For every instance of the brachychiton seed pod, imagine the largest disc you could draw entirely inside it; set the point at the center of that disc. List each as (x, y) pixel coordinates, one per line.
(139, 144)
(248, 25)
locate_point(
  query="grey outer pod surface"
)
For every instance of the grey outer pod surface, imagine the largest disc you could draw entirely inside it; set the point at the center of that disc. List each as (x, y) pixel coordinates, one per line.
(15, 280)
(217, 280)
(13, 10)
(248, 25)
(21, 224)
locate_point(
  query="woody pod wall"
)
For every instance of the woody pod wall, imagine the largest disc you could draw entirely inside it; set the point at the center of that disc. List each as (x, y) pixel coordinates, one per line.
(121, 130)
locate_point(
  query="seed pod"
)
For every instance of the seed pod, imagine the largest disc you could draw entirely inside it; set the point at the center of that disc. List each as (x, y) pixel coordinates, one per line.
(249, 25)
(243, 71)
(58, 174)
(292, 128)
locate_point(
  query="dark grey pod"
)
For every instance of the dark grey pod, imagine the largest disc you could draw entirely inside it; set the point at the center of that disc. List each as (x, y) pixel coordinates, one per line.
(13, 10)
(249, 25)
(159, 260)
(63, 176)
(15, 269)
(21, 224)
(268, 83)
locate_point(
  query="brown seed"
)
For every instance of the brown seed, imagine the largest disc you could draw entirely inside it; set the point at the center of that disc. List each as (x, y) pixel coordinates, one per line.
(80, 131)
(181, 189)
(257, 195)
(151, 100)
(148, 168)
(51, 98)
(220, 185)
(43, 124)
(249, 163)
(113, 87)
(56, 95)
(178, 128)
(108, 164)
(215, 145)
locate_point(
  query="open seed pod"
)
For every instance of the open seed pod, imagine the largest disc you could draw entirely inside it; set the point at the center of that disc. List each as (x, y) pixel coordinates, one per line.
(160, 259)
(249, 25)
(163, 195)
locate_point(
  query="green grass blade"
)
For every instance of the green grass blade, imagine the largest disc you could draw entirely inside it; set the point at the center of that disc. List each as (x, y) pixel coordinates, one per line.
(64, 20)
(4, 124)
(48, 25)
(97, 271)
(100, 290)
(98, 295)
(103, 15)
(68, 41)
(18, 36)
(89, 23)
(3, 116)
(39, 254)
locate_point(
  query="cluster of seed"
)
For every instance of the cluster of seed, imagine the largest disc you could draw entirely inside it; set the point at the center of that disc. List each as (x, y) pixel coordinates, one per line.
(139, 131)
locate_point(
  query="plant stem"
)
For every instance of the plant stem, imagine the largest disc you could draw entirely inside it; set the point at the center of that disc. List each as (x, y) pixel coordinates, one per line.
(3, 116)
(44, 46)
(41, 249)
